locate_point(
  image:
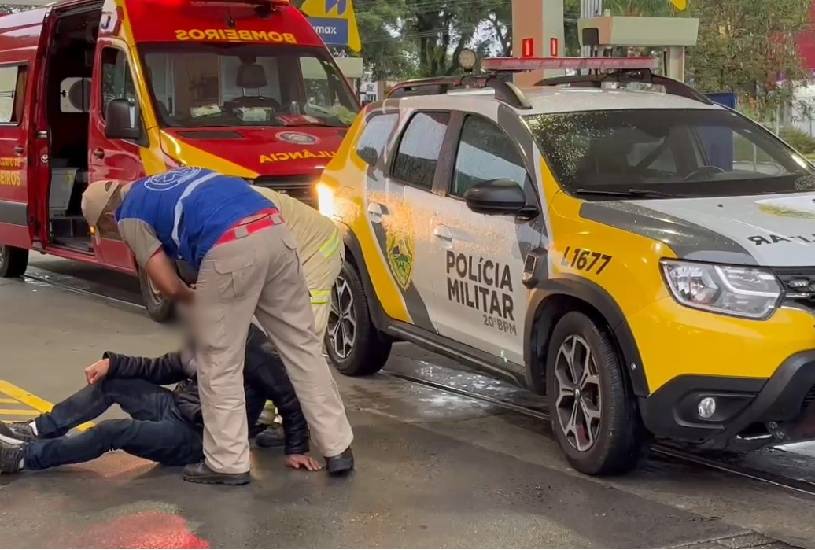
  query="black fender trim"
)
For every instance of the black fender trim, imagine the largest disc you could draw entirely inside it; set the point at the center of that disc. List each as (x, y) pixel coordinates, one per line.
(592, 294)
(375, 309)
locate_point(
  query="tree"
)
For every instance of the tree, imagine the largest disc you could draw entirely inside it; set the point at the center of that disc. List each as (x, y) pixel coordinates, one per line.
(385, 54)
(749, 47)
(499, 17)
(443, 28)
(639, 8)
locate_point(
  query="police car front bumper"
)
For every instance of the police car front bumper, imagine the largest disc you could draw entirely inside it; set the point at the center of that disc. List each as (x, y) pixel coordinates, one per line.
(750, 413)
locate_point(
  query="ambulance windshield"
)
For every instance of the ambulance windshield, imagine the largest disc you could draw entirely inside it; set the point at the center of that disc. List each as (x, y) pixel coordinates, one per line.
(657, 153)
(231, 85)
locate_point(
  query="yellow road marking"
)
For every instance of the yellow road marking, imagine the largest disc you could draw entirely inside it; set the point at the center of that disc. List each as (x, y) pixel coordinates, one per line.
(18, 412)
(27, 398)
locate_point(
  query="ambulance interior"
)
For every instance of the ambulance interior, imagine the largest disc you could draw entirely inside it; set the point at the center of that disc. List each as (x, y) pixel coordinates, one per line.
(71, 59)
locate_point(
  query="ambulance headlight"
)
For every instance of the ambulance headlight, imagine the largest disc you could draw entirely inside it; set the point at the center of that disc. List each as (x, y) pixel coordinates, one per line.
(741, 291)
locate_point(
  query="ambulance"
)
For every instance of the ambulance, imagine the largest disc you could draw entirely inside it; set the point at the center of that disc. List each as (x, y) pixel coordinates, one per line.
(96, 89)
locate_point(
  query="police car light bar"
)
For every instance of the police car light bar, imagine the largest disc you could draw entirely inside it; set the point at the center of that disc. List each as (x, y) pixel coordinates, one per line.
(518, 64)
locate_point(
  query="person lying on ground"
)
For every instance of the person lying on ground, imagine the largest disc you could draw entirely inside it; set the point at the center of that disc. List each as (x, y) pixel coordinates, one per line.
(165, 425)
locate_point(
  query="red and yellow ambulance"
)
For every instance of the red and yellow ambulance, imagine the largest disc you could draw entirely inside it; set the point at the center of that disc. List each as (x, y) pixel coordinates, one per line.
(94, 89)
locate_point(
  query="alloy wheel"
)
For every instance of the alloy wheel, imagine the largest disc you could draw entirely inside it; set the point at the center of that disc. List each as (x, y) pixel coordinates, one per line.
(578, 402)
(342, 326)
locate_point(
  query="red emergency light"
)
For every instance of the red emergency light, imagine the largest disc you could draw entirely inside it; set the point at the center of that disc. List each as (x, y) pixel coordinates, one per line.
(527, 48)
(516, 64)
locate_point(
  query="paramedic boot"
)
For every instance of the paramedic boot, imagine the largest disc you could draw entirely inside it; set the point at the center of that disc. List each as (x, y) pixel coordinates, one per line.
(16, 432)
(11, 458)
(340, 464)
(201, 473)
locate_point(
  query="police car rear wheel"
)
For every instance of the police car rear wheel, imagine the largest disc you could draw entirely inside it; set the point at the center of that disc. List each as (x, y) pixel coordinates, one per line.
(158, 307)
(593, 414)
(13, 261)
(355, 347)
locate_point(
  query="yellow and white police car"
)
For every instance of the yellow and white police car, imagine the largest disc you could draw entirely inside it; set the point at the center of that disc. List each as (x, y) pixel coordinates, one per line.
(642, 256)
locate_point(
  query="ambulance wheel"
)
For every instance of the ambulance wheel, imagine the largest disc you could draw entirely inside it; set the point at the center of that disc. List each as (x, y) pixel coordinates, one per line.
(355, 347)
(593, 415)
(159, 308)
(13, 261)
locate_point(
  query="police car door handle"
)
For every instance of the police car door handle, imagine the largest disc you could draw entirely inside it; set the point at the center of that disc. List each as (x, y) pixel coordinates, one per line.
(375, 212)
(443, 233)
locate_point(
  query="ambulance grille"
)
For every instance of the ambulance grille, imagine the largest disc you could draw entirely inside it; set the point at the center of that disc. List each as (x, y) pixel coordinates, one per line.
(799, 284)
(301, 188)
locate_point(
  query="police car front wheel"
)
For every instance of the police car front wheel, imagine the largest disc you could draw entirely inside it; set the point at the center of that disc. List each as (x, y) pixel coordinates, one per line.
(592, 409)
(354, 346)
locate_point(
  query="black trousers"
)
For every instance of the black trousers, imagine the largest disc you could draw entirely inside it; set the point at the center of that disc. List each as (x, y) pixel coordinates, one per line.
(156, 431)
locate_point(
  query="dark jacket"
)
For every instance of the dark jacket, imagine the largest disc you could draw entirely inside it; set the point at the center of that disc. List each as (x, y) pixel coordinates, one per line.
(264, 378)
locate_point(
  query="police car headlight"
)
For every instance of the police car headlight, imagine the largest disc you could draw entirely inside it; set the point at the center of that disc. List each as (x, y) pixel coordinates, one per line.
(741, 291)
(326, 201)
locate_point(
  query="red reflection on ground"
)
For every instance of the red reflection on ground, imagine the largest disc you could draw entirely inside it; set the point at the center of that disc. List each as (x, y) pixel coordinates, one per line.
(141, 530)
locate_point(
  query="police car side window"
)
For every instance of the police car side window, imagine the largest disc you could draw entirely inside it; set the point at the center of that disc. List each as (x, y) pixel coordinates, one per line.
(419, 149)
(375, 136)
(485, 153)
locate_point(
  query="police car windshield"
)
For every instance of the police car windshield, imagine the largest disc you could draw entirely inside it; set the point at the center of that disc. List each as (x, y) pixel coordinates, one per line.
(651, 154)
(246, 85)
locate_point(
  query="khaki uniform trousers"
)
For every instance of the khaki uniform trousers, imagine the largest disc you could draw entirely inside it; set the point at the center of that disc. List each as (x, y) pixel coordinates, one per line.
(259, 275)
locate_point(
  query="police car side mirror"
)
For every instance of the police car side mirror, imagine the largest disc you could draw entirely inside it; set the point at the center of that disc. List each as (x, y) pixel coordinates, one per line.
(497, 198)
(122, 120)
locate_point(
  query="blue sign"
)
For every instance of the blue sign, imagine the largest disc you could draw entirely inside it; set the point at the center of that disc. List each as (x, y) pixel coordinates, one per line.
(334, 32)
(728, 99)
(339, 4)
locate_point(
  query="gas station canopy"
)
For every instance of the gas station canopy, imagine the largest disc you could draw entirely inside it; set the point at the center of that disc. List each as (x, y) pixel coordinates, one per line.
(638, 31)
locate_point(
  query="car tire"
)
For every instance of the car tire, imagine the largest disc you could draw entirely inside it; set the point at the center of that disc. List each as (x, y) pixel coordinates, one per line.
(354, 346)
(13, 261)
(159, 308)
(593, 416)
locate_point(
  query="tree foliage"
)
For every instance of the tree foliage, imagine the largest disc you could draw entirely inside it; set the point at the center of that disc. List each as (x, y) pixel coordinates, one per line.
(749, 47)
(441, 29)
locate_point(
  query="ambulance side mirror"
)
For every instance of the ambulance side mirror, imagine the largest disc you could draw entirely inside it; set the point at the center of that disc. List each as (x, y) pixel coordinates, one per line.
(122, 120)
(498, 198)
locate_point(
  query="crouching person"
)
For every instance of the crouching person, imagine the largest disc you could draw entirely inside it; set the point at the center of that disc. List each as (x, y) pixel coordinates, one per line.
(166, 425)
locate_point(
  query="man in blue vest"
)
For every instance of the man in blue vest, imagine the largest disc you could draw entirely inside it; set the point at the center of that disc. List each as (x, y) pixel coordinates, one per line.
(247, 266)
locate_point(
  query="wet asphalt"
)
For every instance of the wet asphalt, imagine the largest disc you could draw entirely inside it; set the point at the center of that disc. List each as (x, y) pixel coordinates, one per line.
(435, 469)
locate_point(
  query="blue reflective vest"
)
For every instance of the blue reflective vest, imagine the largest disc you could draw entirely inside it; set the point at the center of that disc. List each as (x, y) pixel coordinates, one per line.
(190, 208)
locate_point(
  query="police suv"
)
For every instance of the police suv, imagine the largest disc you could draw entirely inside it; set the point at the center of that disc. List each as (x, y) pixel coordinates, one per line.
(642, 256)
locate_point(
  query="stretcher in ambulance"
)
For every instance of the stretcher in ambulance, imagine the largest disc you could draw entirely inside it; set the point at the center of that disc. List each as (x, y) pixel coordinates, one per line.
(119, 89)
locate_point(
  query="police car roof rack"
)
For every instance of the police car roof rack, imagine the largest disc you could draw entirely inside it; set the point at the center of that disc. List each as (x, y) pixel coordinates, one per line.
(622, 70)
(627, 76)
(505, 91)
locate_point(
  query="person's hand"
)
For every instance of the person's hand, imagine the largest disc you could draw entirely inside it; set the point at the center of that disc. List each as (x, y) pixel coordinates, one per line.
(302, 462)
(97, 372)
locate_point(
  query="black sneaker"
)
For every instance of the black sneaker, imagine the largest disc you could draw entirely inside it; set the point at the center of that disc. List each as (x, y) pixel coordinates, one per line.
(201, 473)
(273, 436)
(11, 458)
(16, 432)
(340, 464)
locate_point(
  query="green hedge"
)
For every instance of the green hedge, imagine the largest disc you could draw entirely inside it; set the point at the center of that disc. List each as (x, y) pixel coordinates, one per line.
(800, 140)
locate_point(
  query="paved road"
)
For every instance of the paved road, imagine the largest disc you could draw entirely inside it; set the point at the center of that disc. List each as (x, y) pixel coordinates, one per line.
(434, 469)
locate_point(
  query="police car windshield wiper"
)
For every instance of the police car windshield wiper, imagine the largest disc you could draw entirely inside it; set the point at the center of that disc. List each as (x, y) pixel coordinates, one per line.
(624, 193)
